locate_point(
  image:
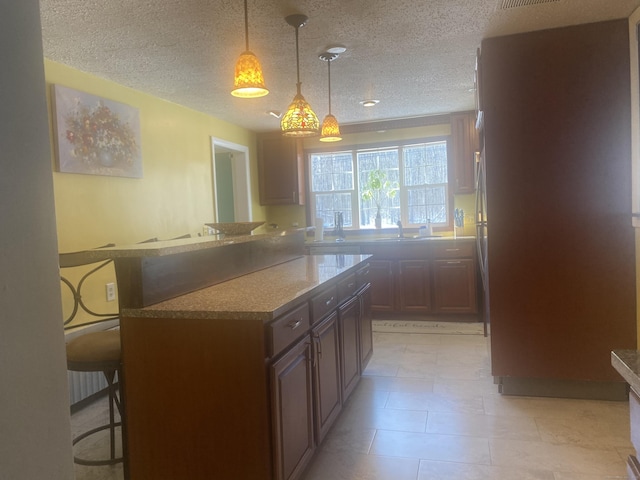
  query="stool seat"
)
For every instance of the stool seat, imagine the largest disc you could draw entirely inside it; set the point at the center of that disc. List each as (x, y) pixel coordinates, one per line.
(94, 352)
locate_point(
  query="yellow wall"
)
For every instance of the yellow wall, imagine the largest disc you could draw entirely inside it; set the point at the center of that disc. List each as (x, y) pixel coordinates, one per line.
(175, 195)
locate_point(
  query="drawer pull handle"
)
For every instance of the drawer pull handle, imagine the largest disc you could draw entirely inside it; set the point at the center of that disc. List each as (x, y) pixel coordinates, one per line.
(453, 249)
(295, 324)
(328, 302)
(454, 262)
(351, 285)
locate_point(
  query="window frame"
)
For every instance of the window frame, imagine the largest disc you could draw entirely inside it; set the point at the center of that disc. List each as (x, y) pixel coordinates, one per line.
(353, 149)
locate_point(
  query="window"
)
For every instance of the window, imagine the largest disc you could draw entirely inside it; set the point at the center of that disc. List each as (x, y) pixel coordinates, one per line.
(415, 175)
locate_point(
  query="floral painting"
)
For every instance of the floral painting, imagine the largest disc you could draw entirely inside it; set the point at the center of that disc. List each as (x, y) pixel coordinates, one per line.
(96, 136)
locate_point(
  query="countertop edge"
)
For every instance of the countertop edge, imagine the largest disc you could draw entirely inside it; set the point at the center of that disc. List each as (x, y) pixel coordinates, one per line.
(624, 361)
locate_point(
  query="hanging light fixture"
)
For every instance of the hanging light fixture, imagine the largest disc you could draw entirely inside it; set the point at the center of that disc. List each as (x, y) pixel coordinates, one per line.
(330, 128)
(299, 120)
(248, 81)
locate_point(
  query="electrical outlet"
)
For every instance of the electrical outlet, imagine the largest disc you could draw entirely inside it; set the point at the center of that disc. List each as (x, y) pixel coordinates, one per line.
(111, 292)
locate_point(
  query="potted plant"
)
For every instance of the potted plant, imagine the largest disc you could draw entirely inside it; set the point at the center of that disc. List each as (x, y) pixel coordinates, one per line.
(376, 188)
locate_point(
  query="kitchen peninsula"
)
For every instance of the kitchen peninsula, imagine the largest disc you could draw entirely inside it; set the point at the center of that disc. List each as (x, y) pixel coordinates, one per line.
(240, 367)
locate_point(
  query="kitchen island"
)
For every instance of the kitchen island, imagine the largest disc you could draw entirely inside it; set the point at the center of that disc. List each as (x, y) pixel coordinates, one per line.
(242, 378)
(627, 364)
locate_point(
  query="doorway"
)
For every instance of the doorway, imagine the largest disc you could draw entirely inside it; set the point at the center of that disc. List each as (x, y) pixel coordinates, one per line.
(231, 181)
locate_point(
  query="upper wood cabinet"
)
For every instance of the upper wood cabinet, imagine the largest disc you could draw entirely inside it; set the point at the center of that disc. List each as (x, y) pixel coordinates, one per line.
(464, 145)
(281, 170)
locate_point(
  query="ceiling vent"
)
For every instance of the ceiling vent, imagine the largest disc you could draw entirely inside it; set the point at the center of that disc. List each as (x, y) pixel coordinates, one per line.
(507, 4)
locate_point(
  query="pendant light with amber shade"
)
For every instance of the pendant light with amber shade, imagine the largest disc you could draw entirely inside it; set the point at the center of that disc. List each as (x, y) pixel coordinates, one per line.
(299, 120)
(330, 128)
(249, 80)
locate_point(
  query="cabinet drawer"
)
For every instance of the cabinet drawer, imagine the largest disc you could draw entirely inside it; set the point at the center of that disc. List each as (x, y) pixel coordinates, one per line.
(363, 276)
(453, 250)
(288, 328)
(347, 287)
(323, 303)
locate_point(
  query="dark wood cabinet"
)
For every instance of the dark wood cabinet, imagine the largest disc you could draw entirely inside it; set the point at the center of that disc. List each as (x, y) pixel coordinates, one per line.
(422, 277)
(280, 170)
(562, 293)
(366, 328)
(464, 145)
(382, 285)
(454, 270)
(326, 374)
(292, 405)
(348, 317)
(414, 286)
(454, 286)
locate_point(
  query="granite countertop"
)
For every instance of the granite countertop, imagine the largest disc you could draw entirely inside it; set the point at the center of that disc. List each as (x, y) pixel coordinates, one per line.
(382, 239)
(261, 295)
(627, 364)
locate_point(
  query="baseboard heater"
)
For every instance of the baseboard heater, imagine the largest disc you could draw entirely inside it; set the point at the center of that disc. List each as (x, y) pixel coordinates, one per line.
(82, 385)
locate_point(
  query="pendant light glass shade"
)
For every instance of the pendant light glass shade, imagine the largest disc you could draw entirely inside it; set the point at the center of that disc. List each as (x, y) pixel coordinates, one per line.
(249, 80)
(299, 120)
(330, 128)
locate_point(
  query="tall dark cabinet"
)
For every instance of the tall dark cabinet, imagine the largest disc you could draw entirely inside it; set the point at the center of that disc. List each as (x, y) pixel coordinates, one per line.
(561, 251)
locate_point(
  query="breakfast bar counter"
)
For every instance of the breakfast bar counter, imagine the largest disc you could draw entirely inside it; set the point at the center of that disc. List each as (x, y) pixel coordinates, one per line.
(261, 295)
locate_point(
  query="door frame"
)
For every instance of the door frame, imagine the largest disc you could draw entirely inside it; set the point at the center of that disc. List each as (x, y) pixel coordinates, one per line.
(241, 178)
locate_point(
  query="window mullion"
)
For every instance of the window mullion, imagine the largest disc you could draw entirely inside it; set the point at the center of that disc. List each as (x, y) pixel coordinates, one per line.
(403, 189)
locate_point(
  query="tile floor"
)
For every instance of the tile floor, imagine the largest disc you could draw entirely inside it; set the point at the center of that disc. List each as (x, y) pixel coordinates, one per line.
(427, 409)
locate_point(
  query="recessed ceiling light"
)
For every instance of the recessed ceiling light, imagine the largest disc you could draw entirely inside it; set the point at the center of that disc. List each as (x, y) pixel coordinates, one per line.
(369, 103)
(337, 49)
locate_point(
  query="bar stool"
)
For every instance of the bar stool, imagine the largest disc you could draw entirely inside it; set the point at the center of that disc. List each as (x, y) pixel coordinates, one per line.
(96, 351)
(99, 352)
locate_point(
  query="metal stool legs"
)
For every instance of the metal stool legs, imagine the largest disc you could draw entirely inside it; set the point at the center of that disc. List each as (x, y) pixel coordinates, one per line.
(114, 402)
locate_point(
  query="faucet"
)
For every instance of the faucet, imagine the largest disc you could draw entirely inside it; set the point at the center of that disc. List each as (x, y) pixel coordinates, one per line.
(400, 231)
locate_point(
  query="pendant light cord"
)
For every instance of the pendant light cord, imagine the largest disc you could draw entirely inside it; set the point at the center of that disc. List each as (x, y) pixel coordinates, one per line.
(329, 67)
(297, 61)
(246, 26)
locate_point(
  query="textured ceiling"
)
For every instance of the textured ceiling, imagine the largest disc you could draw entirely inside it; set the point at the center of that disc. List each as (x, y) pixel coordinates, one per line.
(416, 57)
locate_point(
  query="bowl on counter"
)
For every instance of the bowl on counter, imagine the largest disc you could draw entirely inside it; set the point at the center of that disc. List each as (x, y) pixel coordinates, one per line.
(235, 228)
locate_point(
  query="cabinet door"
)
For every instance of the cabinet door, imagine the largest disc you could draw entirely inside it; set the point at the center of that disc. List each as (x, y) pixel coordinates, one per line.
(366, 331)
(455, 286)
(382, 285)
(281, 171)
(326, 379)
(414, 286)
(349, 346)
(292, 404)
(464, 144)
